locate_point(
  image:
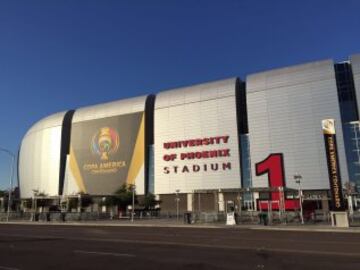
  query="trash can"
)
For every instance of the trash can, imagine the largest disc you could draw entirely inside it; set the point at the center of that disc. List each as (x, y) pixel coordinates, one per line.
(187, 218)
(263, 218)
(237, 218)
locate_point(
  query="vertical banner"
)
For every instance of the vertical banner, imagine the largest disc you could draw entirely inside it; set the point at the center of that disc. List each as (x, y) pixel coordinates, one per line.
(328, 127)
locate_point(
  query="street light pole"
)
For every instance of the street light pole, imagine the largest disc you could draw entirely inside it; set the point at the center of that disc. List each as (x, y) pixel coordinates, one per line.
(133, 202)
(199, 202)
(79, 203)
(12, 155)
(177, 203)
(298, 178)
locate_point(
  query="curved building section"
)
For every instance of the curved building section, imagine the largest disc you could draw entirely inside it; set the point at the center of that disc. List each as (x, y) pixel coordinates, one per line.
(39, 157)
(196, 138)
(107, 148)
(205, 139)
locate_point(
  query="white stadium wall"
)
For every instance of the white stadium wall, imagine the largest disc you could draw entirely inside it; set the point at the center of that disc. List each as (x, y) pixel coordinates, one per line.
(192, 125)
(39, 157)
(188, 139)
(285, 109)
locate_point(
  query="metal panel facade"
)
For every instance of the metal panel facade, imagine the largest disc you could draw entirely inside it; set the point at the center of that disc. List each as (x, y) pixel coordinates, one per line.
(39, 158)
(196, 140)
(355, 64)
(285, 109)
(189, 124)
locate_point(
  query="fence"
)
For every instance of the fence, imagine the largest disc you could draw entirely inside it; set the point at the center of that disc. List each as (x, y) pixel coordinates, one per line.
(243, 217)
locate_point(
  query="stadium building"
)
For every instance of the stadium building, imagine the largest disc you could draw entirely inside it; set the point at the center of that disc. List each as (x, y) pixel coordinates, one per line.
(208, 144)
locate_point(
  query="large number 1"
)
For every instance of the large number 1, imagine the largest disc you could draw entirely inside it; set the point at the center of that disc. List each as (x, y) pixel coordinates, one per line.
(273, 165)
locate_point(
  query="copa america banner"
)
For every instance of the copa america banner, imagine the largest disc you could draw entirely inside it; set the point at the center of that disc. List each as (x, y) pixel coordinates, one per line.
(328, 127)
(107, 153)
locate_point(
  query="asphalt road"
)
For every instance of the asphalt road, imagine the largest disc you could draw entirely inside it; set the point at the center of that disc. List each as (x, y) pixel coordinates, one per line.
(83, 247)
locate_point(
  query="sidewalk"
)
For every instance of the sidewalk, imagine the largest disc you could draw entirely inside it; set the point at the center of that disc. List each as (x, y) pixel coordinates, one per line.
(173, 223)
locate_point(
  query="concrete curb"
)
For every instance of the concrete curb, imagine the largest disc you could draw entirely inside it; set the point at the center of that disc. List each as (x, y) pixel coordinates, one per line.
(199, 226)
(312, 229)
(93, 224)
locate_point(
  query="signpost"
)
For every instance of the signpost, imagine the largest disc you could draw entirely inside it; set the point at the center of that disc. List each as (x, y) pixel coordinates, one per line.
(230, 213)
(298, 178)
(230, 218)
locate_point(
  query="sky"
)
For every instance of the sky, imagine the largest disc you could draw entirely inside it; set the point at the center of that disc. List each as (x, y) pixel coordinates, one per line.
(60, 55)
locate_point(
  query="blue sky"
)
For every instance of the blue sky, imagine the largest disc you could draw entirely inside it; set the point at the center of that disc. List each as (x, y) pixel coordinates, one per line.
(60, 55)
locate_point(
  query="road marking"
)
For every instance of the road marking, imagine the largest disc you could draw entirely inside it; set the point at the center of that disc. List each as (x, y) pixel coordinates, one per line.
(264, 239)
(256, 249)
(104, 253)
(59, 236)
(184, 244)
(160, 225)
(8, 268)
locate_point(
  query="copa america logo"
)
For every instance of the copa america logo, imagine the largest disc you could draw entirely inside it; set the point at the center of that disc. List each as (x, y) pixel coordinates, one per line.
(328, 126)
(105, 142)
